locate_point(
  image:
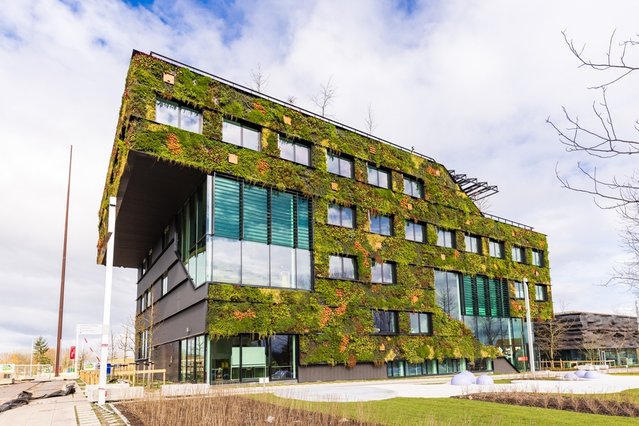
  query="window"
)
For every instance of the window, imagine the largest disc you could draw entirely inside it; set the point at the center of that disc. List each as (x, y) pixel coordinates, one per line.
(445, 238)
(378, 177)
(496, 248)
(473, 243)
(247, 235)
(537, 257)
(520, 290)
(413, 187)
(175, 115)
(415, 231)
(385, 322)
(383, 273)
(165, 284)
(420, 323)
(167, 237)
(143, 340)
(341, 216)
(342, 267)
(447, 292)
(295, 151)
(541, 293)
(485, 297)
(519, 255)
(339, 165)
(240, 135)
(381, 224)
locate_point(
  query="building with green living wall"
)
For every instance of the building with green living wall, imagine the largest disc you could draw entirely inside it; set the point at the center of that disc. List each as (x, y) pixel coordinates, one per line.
(274, 243)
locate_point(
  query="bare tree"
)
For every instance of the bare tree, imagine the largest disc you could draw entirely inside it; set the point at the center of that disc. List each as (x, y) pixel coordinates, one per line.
(325, 96)
(370, 120)
(259, 79)
(126, 342)
(550, 335)
(605, 140)
(291, 99)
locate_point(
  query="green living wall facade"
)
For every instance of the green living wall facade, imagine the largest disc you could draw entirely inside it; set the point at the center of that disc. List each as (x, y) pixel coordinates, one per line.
(274, 186)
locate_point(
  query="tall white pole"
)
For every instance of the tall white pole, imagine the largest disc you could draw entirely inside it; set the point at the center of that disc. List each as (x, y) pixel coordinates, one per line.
(106, 319)
(531, 352)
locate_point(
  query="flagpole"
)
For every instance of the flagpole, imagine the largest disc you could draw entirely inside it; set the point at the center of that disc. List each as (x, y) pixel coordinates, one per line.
(63, 274)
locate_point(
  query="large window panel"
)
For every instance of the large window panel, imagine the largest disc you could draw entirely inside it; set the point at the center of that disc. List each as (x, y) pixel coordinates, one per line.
(226, 260)
(255, 263)
(227, 208)
(303, 269)
(240, 135)
(447, 292)
(303, 223)
(282, 219)
(255, 218)
(282, 266)
(385, 322)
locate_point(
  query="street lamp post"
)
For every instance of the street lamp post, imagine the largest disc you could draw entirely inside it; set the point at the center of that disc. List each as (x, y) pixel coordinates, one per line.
(531, 353)
(106, 319)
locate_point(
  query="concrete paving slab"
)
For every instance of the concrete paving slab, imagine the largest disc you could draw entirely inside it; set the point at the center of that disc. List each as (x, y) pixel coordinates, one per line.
(58, 411)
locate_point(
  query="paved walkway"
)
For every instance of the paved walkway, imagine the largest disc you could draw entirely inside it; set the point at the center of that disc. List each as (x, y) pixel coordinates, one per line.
(377, 390)
(59, 411)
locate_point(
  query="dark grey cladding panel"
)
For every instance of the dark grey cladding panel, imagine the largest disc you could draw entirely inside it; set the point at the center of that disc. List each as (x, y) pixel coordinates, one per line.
(162, 265)
(175, 327)
(322, 373)
(181, 297)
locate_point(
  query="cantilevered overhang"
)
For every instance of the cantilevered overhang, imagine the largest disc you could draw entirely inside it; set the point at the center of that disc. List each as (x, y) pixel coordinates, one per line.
(150, 194)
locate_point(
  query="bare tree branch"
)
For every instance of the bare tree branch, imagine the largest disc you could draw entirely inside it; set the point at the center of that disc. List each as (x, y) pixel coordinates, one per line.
(370, 120)
(602, 141)
(325, 96)
(259, 79)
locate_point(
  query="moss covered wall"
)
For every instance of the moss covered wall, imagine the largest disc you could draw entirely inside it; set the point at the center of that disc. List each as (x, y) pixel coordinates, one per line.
(335, 320)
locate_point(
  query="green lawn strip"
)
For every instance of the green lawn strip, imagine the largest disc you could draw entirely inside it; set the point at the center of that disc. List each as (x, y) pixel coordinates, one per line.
(449, 411)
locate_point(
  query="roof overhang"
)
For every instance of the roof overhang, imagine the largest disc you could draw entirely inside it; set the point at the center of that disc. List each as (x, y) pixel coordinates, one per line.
(151, 192)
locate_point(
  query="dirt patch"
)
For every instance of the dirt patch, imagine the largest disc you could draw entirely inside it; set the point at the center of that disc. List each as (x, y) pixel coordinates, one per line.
(225, 410)
(580, 403)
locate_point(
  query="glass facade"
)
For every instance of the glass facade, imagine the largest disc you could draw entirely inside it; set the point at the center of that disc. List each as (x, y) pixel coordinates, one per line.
(247, 358)
(251, 235)
(447, 292)
(193, 359)
(401, 368)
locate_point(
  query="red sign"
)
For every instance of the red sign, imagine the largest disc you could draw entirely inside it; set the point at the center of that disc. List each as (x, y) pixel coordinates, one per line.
(522, 358)
(72, 352)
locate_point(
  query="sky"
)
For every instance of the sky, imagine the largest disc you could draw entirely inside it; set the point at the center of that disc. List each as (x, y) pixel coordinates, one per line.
(469, 83)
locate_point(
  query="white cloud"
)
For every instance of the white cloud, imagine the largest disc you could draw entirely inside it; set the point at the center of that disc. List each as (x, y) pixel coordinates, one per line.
(468, 83)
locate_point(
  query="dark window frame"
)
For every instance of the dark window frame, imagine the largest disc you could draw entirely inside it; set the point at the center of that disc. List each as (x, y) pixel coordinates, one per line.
(420, 187)
(538, 258)
(468, 238)
(377, 171)
(453, 238)
(180, 108)
(296, 144)
(394, 324)
(415, 224)
(341, 215)
(383, 265)
(243, 126)
(543, 289)
(496, 243)
(340, 159)
(429, 316)
(341, 275)
(380, 216)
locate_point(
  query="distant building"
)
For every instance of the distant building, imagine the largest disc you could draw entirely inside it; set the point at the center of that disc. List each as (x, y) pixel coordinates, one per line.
(275, 243)
(587, 336)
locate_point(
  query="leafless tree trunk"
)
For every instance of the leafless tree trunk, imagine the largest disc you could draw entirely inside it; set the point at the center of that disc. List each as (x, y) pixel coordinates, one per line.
(259, 79)
(550, 334)
(370, 120)
(325, 96)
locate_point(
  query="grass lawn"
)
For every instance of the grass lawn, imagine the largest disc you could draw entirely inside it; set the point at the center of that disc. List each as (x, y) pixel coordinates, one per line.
(449, 411)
